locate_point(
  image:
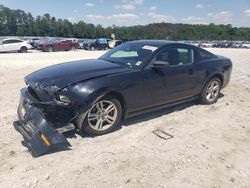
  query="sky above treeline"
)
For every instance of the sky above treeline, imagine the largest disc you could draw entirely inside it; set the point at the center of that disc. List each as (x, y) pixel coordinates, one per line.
(134, 12)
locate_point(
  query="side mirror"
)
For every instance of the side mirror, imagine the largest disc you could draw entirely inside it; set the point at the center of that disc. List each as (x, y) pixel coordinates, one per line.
(160, 64)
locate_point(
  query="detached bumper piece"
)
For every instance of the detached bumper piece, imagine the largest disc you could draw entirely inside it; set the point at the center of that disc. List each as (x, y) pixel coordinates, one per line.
(39, 134)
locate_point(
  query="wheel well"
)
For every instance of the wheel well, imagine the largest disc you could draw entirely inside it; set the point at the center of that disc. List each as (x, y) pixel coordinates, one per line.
(120, 98)
(220, 77)
(214, 76)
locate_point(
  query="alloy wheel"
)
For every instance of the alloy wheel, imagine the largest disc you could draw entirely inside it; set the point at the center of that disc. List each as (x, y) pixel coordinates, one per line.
(102, 115)
(212, 90)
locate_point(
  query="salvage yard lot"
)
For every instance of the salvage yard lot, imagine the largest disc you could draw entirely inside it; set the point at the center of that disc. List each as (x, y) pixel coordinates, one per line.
(210, 146)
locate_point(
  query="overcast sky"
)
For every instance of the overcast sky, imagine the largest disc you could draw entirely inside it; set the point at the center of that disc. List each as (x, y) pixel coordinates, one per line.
(133, 12)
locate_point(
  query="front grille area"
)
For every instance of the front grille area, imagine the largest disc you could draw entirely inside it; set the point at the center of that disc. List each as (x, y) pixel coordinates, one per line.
(39, 94)
(33, 93)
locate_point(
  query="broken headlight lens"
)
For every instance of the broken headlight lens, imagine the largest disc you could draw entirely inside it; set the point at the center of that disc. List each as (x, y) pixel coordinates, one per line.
(63, 98)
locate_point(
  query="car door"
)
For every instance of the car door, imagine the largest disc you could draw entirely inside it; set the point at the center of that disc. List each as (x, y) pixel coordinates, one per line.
(64, 45)
(16, 44)
(174, 82)
(8, 45)
(12, 45)
(67, 45)
(57, 45)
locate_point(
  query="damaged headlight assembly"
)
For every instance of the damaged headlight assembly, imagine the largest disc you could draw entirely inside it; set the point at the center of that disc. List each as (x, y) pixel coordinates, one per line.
(63, 99)
(60, 97)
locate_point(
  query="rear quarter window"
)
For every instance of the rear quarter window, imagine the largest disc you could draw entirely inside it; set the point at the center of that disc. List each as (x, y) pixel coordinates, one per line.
(204, 55)
(185, 55)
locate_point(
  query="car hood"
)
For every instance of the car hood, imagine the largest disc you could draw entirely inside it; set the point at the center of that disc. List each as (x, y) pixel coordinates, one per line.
(59, 76)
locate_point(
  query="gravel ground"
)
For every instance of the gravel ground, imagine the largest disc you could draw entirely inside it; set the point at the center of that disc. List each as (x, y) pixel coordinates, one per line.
(210, 147)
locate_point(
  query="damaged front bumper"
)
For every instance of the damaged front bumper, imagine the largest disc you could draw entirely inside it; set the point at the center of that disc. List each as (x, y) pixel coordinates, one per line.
(39, 134)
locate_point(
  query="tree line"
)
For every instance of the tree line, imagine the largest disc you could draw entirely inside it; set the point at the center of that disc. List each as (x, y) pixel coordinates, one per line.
(19, 23)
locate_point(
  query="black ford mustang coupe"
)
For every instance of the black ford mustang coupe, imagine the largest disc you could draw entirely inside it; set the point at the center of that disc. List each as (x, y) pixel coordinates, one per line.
(95, 95)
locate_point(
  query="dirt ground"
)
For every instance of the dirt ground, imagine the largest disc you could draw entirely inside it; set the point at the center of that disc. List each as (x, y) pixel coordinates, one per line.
(210, 145)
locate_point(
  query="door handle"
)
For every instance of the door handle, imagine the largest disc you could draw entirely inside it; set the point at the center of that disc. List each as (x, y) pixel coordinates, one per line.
(190, 71)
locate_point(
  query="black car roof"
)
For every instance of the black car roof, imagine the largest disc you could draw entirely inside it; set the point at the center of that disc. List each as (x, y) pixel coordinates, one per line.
(156, 43)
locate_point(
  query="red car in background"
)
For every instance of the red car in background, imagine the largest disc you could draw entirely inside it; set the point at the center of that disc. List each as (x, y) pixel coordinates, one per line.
(58, 45)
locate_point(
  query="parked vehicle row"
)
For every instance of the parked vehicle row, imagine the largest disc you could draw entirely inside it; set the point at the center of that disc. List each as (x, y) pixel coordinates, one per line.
(100, 44)
(220, 44)
(50, 44)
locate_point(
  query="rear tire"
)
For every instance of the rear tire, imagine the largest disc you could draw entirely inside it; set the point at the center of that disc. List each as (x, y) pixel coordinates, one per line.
(24, 49)
(211, 91)
(103, 117)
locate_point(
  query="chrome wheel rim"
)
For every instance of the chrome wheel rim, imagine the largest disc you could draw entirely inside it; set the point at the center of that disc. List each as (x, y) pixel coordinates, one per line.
(102, 115)
(212, 90)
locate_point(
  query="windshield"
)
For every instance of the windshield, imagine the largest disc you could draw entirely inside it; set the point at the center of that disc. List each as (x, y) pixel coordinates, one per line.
(52, 40)
(129, 54)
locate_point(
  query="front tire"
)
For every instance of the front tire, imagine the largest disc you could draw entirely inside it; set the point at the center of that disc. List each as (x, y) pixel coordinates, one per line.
(103, 117)
(50, 49)
(211, 91)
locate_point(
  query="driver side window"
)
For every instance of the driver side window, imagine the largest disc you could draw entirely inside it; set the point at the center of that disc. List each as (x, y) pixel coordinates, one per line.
(176, 56)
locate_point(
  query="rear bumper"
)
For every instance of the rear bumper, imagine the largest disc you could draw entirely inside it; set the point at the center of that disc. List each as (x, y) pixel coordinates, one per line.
(39, 134)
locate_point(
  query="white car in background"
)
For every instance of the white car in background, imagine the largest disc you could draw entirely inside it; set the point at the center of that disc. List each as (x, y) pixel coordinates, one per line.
(13, 45)
(114, 43)
(245, 45)
(206, 44)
